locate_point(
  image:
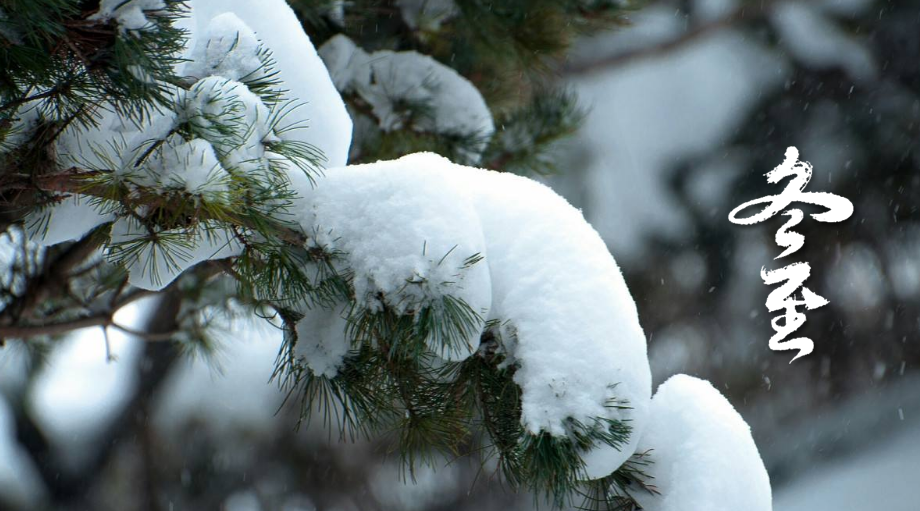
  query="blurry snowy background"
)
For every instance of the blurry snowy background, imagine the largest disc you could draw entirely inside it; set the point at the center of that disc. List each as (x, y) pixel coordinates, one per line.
(686, 110)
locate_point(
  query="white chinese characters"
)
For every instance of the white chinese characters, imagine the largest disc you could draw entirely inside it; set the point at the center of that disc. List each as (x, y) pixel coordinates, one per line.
(792, 276)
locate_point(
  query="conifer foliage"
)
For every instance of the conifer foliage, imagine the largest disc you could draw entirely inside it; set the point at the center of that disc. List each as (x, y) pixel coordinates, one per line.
(197, 150)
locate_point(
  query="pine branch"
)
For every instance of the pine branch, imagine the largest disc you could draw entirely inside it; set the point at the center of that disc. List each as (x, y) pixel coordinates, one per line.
(64, 327)
(83, 182)
(50, 281)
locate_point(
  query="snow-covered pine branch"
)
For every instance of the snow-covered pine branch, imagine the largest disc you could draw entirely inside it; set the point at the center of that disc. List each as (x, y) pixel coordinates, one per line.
(419, 296)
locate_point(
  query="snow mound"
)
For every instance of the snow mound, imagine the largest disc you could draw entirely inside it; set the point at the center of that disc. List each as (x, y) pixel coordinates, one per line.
(410, 88)
(703, 456)
(228, 48)
(407, 228)
(406, 233)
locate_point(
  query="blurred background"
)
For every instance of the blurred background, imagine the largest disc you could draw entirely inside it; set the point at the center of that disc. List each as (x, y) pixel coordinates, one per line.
(687, 108)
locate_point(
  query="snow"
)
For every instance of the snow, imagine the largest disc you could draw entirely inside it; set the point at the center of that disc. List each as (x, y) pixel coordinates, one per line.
(226, 45)
(703, 456)
(115, 144)
(228, 48)
(406, 233)
(193, 167)
(348, 65)
(217, 100)
(321, 343)
(566, 315)
(153, 263)
(322, 113)
(71, 218)
(449, 103)
(20, 259)
(128, 14)
(24, 121)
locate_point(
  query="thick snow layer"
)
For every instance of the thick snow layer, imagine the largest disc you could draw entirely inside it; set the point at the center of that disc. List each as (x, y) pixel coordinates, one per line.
(155, 264)
(70, 219)
(321, 113)
(567, 317)
(449, 103)
(703, 456)
(115, 144)
(406, 232)
(348, 65)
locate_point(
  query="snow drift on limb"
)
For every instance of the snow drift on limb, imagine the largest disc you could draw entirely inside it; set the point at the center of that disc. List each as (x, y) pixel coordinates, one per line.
(703, 456)
(567, 319)
(388, 81)
(407, 235)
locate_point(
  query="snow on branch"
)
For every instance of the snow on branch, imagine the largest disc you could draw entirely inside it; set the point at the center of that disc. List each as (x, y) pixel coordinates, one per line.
(418, 296)
(256, 110)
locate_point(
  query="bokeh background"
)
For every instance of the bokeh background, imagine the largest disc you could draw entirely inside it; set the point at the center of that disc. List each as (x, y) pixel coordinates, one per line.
(686, 109)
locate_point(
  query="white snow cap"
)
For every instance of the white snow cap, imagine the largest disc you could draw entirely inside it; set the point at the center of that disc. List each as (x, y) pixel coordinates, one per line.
(703, 456)
(385, 78)
(70, 218)
(567, 318)
(406, 233)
